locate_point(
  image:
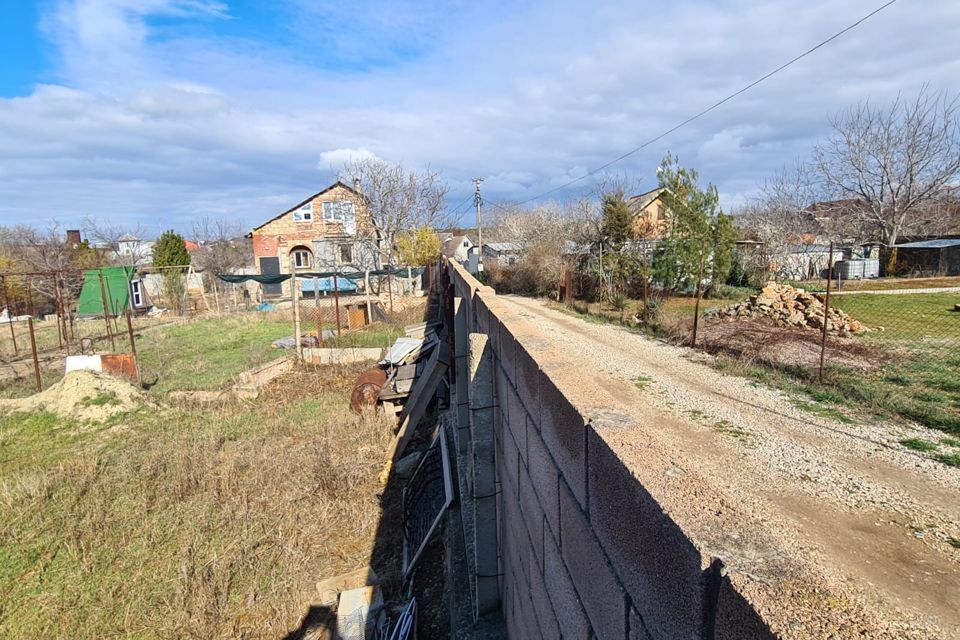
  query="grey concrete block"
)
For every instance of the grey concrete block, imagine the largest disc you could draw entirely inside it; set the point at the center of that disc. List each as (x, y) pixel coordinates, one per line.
(507, 352)
(528, 380)
(661, 570)
(546, 617)
(544, 477)
(593, 576)
(532, 516)
(517, 421)
(563, 595)
(563, 429)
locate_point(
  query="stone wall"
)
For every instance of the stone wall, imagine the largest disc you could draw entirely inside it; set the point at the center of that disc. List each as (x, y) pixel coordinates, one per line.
(584, 550)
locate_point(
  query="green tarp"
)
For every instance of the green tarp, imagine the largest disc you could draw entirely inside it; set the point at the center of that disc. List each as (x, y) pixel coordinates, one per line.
(401, 272)
(116, 289)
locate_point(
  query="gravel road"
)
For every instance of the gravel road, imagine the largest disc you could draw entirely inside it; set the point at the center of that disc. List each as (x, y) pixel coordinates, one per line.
(863, 508)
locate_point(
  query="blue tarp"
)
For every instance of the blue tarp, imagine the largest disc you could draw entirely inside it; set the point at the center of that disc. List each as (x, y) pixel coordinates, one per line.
(325, 285)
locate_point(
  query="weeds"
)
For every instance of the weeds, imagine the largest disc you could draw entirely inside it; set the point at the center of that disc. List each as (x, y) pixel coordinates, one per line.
(642, 382)
(950, 459)
(919, 444)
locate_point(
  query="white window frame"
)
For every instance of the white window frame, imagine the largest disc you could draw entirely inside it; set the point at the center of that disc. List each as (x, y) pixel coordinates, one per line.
(136, 292)
(298, 261)
(304, 213)
(339, 211)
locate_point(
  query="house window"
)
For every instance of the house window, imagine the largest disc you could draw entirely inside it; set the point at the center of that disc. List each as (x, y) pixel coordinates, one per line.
(340, 211)
(304, 213)
(136, 291)
(301, 258)
(346, 254)
(659, 212)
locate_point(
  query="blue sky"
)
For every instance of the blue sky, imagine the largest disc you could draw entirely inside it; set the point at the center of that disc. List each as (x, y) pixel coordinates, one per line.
(157, 112)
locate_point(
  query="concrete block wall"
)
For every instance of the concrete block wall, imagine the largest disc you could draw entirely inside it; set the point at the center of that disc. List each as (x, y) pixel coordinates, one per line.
(585, 551)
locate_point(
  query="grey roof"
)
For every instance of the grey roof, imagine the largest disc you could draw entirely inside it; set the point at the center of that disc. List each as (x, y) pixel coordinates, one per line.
(942, 243)
(502, 247)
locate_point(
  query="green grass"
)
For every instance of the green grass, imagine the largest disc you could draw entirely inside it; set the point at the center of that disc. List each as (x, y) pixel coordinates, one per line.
(642, 382)
(728, 428)
(950, 442)
(950, 459)
(822, 411)
(919, 444)
(208, 354)
(375, 335)
(914, 318)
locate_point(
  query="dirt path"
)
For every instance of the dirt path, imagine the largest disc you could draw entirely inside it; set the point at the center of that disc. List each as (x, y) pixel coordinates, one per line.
(864, 510)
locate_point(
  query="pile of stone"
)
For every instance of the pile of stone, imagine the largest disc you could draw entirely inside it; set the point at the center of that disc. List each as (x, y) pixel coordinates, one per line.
(789, 307)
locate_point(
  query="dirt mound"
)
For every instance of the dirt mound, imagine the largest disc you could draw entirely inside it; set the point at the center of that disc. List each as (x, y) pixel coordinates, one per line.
(789, 307)
(82, 395)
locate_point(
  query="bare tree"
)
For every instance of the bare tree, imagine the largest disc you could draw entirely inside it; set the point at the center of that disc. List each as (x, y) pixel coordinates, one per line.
(398, 199)
(45, 253)
(895, 161)
(223, 247)
(121, 245)
(781, 217)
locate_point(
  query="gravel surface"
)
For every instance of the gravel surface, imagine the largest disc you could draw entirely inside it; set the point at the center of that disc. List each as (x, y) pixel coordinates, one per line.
(863, 509)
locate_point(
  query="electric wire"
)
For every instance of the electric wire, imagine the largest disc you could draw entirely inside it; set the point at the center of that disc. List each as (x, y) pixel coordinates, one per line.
(714, 106)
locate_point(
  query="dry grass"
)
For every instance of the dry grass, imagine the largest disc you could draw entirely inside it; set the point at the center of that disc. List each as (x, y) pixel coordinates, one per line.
(186, 523)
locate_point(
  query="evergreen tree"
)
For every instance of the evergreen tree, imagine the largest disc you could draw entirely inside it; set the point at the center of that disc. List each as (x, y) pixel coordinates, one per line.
(170, 250)
(617, 223)
(699, 231)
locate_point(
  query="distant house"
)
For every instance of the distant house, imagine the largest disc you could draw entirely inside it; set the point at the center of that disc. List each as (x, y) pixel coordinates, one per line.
(130, 250)
(505, 253)
(456, 247)
(651, 217)
(929, 257)
(332, 230)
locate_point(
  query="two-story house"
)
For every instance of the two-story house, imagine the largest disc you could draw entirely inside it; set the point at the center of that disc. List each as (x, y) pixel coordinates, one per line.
(651, 218)
(330, 231)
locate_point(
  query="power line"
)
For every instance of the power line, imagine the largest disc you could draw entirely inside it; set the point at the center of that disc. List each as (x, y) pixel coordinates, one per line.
(714, 105)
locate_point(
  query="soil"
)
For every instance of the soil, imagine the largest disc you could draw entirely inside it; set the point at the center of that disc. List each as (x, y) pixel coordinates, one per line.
(82, 395)
(784, 346)
(819, 523)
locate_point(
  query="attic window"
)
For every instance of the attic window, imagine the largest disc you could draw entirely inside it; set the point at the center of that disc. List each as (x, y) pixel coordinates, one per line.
(340, 211)
(304, 213)
(466, 244)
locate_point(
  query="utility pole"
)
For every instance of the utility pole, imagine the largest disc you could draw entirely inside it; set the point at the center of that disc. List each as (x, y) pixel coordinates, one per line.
(479, 202)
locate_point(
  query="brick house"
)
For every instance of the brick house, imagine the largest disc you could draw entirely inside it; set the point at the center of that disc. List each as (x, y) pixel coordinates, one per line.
(330, 231)
(651, 217)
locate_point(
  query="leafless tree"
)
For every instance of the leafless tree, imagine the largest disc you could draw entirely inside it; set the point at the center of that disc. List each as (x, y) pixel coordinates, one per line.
(895, 161)
(223, 247)
(122, 245)
(780, 217)
(398, 199)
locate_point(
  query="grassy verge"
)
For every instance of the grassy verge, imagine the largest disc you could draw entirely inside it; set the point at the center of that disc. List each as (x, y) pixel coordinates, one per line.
(186, 522)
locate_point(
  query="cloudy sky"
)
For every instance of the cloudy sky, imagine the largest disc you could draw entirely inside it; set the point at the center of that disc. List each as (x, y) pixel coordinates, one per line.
(160, 111)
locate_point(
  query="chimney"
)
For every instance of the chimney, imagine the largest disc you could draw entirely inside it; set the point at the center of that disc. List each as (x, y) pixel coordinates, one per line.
(73, 237)
(356, 185)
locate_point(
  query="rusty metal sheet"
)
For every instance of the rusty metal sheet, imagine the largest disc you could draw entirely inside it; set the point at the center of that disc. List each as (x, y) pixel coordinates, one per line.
(123, 365)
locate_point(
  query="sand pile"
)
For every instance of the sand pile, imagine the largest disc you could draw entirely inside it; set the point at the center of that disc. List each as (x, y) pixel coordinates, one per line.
(82, 395)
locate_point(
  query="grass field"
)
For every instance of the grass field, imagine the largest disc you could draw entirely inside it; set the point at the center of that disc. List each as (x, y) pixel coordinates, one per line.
(182, 521)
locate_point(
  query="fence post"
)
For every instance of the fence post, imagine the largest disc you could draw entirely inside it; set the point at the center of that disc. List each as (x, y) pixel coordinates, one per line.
(826, 314)
(133, 345)
(366, 286)
(316, 310)
(103, 298)
(6, 296)
(696, 305)
(390, 291)
(36, 360)
(294, 298)
(336, 301)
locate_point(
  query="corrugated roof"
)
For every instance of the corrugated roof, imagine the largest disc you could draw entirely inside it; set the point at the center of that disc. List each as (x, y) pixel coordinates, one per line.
(942, 243)
(502, 246)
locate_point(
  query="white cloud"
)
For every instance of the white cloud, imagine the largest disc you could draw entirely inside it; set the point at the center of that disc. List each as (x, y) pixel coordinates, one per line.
(336, 158)
(530, 95)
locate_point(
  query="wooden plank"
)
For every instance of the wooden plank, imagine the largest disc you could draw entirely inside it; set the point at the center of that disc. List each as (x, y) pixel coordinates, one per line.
(420, 397)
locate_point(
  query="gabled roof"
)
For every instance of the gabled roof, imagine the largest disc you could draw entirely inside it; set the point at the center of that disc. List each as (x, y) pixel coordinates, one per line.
(642, 200)
(336, 184)
(451, 244)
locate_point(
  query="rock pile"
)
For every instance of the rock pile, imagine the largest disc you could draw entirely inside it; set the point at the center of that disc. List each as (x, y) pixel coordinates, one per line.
(789, 307)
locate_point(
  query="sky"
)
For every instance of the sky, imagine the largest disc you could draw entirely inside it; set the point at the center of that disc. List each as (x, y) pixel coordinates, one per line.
(159, 112)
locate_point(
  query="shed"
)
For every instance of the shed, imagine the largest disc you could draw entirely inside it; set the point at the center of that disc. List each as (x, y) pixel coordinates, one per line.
(940, 257)
(116, 289)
